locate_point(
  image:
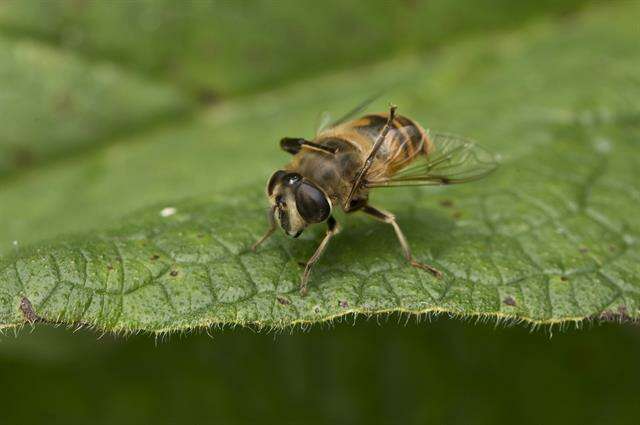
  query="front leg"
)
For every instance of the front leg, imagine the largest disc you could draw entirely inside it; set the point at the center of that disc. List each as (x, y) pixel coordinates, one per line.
(389, 218)
(332, 229)
(270, 230)
(294, 144)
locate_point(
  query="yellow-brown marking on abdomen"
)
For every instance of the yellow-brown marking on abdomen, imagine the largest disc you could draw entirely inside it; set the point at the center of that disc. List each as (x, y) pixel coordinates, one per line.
(406, 143)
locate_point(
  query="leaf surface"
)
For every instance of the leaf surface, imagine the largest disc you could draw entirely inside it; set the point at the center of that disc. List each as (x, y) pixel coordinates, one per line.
(53, 103)
(551, 237)
(215, 48)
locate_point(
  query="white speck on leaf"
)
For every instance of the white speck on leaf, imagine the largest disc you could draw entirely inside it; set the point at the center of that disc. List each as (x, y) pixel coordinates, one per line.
(167, 212)
(603, 145)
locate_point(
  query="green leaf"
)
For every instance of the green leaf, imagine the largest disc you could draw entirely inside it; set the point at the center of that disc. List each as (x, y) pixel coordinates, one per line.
(551, 237)
(215, 48)
(53, 104)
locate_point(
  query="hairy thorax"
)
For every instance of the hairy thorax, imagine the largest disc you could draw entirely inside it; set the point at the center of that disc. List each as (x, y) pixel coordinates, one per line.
(333, 173)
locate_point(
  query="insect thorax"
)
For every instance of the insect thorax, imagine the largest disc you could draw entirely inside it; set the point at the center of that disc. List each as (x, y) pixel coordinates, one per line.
(333, 173)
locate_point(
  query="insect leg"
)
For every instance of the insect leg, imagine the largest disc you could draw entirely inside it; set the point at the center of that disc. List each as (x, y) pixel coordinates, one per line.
(389, 218)
(291, 144)
(294, 144)
(332, 229)
(270, 230)
(371, 156)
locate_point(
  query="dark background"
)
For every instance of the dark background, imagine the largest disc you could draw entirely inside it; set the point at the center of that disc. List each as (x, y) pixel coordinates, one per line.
(394, 371)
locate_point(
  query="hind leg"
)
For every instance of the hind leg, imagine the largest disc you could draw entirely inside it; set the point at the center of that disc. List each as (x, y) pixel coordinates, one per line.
(389, 218)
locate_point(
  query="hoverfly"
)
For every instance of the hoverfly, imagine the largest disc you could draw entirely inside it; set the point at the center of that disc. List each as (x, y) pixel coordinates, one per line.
(350, 157)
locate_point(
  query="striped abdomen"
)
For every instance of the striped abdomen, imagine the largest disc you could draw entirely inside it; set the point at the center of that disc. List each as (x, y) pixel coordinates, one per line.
(352, 142)
(403, 143)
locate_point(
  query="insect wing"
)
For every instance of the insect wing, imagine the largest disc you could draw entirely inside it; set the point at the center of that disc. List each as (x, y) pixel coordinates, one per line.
(453, 160)
(324, 122)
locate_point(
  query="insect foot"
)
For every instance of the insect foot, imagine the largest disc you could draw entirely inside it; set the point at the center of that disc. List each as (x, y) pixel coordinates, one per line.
(437, 273)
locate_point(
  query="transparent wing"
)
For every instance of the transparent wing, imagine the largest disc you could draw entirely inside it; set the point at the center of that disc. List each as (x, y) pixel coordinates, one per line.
(452, 160)
(326, 122)
(323, 122)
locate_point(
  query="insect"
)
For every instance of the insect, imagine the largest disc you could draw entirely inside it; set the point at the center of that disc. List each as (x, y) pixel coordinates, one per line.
(348, 158)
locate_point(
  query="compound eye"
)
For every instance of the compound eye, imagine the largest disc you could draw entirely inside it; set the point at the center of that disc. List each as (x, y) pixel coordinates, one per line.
(275, 178)
(312, 204)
